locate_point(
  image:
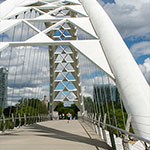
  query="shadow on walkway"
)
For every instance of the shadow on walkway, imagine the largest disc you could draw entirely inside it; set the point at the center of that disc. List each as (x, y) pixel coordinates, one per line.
(58, 134)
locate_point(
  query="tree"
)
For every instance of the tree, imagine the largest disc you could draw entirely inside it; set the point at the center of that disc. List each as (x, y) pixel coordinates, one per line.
(31, 106)
(64, 110)
(9, 110)
(88, 104)
(1, 111)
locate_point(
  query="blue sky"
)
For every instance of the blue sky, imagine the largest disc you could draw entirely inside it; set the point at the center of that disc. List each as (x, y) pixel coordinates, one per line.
(108, 1)
(119, 10)
(112, 7)
(133, 23)
(131, 20)
(2, 1)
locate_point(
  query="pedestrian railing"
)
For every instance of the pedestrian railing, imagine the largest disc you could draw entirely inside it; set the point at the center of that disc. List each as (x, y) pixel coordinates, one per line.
(12, 122)
(104, 130)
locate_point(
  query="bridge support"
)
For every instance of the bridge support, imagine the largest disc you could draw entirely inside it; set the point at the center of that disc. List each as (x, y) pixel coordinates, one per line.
(64, 68)
(4, 123)
(125, 138)
(134, 90)
(13, 121)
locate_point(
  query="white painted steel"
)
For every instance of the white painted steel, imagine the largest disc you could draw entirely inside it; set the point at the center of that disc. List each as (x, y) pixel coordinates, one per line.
(77, 8)
(7, 6)
(26, 3)
(17, 10)
(48, 6)
(8, 24)
(132, 85)
(38, 38)
(45, 17)
(93, 51)
(83, 23)
(73, 1)
(3, 46)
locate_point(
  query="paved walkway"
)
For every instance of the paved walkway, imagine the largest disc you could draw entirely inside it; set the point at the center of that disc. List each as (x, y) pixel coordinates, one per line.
(51, 135)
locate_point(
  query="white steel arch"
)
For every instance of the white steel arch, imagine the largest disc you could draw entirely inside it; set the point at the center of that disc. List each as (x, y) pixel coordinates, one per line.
(131, 83)
(117, 62)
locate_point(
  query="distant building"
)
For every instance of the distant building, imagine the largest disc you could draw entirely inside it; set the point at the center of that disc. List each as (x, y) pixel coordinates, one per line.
(45, 101)
(3, 87)
(105, 92)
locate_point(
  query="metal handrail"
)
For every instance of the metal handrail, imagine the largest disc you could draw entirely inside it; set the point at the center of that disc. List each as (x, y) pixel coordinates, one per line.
(22, 117)
(118, 129)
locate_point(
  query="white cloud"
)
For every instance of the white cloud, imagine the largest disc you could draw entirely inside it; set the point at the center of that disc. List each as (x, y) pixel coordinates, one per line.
(141, 48)
(90, 76)
(131, 17)
(145, 68)
(28, 72)
(88, 84)
(10, 103)
(101, 2)
(86, 66)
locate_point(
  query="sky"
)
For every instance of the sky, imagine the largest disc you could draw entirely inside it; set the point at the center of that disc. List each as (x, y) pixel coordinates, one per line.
(133, 23)
(2, 1)
(131, 18)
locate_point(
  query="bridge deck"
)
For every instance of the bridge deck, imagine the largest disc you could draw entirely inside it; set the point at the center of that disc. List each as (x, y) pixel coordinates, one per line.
(52, 135)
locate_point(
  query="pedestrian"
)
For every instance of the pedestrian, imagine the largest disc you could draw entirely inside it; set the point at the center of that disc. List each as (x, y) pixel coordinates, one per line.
(68, 117)
(63, 115)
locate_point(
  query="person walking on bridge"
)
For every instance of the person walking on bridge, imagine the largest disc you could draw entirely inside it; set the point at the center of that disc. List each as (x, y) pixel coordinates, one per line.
(68, 116)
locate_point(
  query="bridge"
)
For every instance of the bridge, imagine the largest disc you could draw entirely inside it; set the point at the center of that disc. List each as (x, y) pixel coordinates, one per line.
(50, 135)
(65, 56)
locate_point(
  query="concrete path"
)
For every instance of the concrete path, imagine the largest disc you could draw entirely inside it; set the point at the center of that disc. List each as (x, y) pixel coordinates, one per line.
(51, 135)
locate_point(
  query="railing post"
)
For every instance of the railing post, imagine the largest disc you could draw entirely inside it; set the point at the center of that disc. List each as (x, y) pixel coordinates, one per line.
(125, 138)
(103, 128)
(28, 118)
(146, 146)
(95, 123)
(25, 119)
(111, 134)
(35, 118)
(82, 118)
(98, 126)
(88, 118)
(49, 117)
(13, 121)
(38, 118)
(19, 120)
(4, 123)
